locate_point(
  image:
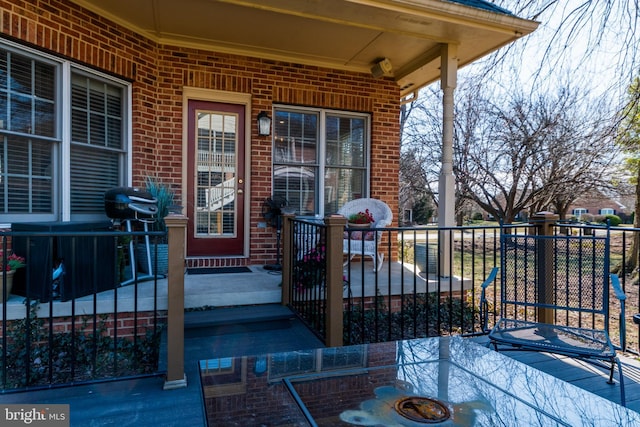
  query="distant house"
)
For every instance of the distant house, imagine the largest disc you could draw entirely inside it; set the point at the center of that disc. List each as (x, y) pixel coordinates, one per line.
(597, 203)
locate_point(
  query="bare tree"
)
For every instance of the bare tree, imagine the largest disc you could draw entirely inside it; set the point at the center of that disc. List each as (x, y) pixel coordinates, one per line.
(421, 148)
(586, 42)
(529, 155)
(629, 139)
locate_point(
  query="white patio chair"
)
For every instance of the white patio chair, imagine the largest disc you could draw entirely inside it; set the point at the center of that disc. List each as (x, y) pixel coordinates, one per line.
(382, 216)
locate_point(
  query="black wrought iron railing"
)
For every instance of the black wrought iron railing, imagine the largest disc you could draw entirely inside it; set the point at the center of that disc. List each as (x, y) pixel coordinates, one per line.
(307, 275)
(79, 309)
(417, 291)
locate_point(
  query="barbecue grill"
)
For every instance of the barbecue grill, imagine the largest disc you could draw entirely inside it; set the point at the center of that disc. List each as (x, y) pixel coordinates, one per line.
(130, 203)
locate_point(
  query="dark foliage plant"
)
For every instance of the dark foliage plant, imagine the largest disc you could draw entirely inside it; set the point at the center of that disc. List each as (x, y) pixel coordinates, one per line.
(36, 357)
(311, 269)
(421, 316)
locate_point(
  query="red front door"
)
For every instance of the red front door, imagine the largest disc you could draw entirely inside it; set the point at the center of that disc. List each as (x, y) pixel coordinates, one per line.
(215, 183)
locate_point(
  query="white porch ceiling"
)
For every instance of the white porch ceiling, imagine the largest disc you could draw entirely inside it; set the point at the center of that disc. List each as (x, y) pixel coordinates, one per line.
(342, 34)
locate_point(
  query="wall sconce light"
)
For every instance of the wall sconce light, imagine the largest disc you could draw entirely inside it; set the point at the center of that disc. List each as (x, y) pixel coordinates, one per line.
(264, 124)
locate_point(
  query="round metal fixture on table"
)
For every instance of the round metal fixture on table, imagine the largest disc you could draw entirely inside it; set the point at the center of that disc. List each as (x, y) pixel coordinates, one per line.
(422, 409)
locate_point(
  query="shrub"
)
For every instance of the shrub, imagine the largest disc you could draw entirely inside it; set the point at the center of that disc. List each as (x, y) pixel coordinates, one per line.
(585, 217)
(36, 357)
(614, 220)
(422, 315)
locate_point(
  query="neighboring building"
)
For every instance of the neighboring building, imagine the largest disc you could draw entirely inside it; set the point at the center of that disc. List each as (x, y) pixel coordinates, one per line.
(96, 94)
(596, 204)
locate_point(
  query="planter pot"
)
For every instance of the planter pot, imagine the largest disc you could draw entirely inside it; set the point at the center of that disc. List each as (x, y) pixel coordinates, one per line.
(163, 258)
(354, 225)
(426, 253)
(9, 276)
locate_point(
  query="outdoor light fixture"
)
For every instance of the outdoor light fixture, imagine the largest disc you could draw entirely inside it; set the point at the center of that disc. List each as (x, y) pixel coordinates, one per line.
(381, 68)
(264, 124)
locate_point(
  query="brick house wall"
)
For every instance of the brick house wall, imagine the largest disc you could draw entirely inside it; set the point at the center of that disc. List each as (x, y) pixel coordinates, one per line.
(159, 73)
(595, 203)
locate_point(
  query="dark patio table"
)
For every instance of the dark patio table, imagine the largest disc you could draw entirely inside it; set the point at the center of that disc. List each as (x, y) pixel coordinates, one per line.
(436, 381)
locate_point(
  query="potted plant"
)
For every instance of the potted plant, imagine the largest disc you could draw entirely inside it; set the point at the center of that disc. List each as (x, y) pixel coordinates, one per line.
(164, 196)
(13, 263)
(311, 270)
(361, 219)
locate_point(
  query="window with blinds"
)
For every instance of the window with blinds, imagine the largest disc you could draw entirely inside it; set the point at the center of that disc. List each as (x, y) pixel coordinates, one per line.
(27, 138)
(319, 158)
(32, 142)
(96, 142)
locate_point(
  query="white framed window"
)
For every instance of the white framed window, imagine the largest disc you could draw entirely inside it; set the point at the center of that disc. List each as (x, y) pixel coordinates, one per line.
(282, 365)
(607, 211)
(578, 212)
(63, 137)
(320, 158)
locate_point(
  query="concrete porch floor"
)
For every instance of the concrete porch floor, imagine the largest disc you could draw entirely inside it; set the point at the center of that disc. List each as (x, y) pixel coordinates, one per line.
(259, 286)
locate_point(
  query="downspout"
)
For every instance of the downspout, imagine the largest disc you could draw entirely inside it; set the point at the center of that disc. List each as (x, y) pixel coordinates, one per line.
(446, 183)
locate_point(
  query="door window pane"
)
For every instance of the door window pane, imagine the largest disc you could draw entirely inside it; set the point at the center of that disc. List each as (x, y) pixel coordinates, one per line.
(217, 139)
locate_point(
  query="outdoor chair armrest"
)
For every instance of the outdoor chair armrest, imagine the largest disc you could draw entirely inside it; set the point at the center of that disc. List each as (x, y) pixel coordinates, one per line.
(617, 289)
(484, 305)
(490, 278)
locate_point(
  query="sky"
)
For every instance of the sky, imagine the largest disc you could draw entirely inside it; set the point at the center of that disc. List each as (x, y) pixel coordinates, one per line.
(572, 47)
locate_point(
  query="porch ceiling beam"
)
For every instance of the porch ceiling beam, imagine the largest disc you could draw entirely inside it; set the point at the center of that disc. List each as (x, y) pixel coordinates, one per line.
(428, 62)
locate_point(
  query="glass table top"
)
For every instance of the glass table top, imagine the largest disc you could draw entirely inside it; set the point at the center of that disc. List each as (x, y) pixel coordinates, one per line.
(435, 381)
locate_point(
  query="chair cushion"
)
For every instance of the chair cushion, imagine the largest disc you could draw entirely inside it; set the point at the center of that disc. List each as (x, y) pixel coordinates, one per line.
(357, 235)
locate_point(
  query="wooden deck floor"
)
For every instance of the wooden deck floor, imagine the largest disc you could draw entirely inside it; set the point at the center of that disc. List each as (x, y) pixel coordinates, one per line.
(583, 374)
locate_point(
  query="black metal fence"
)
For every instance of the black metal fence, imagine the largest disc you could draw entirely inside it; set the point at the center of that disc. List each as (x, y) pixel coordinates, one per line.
(307, 293)
(78, 308)
(414, 294)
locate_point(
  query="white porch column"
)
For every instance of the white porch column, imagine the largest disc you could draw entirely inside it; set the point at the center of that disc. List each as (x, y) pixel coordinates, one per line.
(446, 184)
